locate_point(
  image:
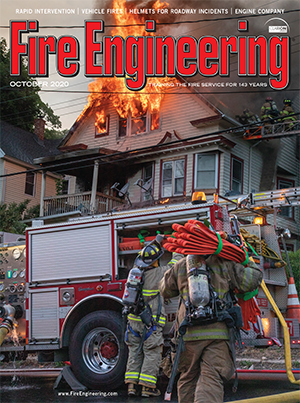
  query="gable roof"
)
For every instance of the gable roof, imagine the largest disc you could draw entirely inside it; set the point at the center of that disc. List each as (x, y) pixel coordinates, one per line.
(23, 145)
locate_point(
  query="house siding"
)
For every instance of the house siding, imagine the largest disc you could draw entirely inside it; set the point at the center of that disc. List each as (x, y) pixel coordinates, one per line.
(173, 116)
(287, 158)
(176, 113)
(15, 186)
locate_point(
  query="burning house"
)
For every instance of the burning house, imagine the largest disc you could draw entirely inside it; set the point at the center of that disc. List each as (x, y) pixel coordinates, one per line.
(159, 145)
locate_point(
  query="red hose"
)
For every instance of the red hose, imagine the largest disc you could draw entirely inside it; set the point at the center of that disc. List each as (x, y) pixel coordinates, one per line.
(196, 239)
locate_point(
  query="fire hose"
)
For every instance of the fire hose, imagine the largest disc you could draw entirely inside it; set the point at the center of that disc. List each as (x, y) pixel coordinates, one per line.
(290, 397)
(197, 239)
(194, 238)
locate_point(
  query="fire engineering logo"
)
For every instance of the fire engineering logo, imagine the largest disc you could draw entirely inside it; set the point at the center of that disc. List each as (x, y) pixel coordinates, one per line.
(137, 57)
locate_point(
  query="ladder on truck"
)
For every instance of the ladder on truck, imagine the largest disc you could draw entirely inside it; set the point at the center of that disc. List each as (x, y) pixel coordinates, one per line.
(272, 130)
(263, 203)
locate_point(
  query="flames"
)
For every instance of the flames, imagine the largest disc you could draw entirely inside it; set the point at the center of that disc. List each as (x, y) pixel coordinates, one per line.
(136, 104)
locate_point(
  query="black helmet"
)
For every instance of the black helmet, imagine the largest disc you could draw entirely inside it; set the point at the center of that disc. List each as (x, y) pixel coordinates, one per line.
(269, 99)
(148, 255)
(287, 101)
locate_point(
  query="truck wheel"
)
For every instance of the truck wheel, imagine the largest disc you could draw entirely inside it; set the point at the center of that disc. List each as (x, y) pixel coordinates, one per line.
(97, 351)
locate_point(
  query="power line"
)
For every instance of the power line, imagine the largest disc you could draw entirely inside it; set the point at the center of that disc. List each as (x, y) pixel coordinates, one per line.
(102, 159)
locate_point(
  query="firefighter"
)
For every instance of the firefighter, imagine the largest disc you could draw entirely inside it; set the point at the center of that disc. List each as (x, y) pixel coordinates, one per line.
(286, 112)
(269, 110)
(206, 360)
(247, 117)
(145, 340)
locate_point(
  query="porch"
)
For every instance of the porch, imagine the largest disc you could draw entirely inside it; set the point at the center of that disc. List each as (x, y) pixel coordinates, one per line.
(83, 202)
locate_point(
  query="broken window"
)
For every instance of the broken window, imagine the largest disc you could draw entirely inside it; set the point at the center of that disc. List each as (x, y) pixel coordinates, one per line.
(137, 124)
(102, 125)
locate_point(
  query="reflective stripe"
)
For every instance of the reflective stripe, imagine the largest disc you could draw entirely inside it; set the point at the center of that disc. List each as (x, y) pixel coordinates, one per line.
(134, 317)
(148, 378)
(161, 321)
(150, 293)
(132, 375)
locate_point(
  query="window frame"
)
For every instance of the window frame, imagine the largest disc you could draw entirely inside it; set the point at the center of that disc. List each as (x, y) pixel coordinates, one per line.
(144, 195)
(106, 133)
(129, 124)
(184, 159)
(241, 161)
(216, 176)
(33, 184)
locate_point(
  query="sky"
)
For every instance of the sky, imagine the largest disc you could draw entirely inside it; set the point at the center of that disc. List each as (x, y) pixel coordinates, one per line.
(68, 103)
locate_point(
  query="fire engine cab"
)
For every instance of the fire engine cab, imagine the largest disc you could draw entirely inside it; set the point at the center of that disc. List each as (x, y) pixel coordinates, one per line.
(66, 282)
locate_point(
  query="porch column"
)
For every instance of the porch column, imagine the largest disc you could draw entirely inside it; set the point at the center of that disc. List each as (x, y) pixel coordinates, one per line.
(94, 186)
(43, 187)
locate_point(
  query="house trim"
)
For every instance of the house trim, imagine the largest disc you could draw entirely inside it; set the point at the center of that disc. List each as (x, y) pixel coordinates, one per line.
(217, 173)
(181, 157)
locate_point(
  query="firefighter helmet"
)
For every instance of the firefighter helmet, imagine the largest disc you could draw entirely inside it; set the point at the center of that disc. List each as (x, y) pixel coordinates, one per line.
(287, 101)
(269, 99)
(148, 255)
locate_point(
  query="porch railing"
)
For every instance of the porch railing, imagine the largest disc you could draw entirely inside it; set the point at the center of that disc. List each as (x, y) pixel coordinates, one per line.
(80, 202)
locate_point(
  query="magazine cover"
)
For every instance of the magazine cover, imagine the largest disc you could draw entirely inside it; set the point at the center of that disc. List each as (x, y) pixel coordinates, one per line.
(125, 124)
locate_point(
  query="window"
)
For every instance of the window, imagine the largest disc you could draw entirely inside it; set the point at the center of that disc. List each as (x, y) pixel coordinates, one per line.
(29, 183)
(101, 125)
(143, 123)
(284, 184)
(173, 175)
(147, 181)
(236, 174)
(206, 171)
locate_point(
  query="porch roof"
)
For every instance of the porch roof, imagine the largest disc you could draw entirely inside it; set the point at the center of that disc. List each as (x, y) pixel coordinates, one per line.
(79, 159)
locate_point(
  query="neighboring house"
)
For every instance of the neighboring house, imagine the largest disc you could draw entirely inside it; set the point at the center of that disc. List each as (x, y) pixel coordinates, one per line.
(18, 149)
(171, 153)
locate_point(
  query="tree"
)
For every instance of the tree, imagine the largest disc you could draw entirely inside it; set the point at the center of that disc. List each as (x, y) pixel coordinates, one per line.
(294, 258)
(21, 105)
(11, 216)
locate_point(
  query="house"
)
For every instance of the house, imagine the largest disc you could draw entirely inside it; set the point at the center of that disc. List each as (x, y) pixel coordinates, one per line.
(163, 155)
(18, 149)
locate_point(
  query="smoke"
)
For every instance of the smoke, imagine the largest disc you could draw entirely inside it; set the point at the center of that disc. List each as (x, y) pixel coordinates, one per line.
(249, 92)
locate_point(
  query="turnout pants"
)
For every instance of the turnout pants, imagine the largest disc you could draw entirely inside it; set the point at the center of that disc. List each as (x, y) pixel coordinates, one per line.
(204, 366)
(143, 365)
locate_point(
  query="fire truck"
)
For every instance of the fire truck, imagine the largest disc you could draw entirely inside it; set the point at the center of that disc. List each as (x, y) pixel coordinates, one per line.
(67, 280)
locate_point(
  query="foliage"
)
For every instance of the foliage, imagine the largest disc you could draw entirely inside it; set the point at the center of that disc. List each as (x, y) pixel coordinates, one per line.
(21, 105)
(59, 186)
(52, 134)
(12, 214)
(294, 258)
(32, 212)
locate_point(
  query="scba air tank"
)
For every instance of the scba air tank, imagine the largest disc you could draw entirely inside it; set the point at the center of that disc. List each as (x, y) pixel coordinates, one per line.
(133, 286)
(197, 280)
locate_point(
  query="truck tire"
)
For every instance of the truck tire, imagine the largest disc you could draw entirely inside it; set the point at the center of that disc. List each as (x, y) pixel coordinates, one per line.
(98, 354)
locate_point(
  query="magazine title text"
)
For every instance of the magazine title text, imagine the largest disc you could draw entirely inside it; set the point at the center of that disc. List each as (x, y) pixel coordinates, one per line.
(136, 58)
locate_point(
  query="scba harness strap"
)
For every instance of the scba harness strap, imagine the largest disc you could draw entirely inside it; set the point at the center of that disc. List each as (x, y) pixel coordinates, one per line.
(136, 334)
